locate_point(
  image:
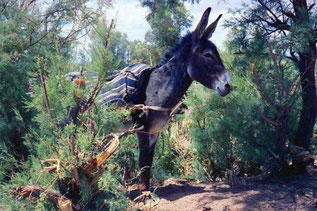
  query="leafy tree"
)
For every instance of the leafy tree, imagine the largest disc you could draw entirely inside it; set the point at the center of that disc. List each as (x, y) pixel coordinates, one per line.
(143, 52)
(67, 164)
(168, 19)
(119, 46)
(27, 33)
(293, 25)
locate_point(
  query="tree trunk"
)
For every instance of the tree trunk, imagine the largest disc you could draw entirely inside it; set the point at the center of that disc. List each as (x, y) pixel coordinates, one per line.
(309, 108)
(306, 65)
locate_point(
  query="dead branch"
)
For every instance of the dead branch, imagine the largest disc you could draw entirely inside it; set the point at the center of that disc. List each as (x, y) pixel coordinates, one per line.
(95, 162)
(63, 203)
(51, 165)
(107, 150)
(259, 178)
(72, 150)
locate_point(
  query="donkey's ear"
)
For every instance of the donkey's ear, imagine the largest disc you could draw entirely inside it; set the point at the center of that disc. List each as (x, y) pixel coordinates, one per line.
(211, 28)
(202, 23)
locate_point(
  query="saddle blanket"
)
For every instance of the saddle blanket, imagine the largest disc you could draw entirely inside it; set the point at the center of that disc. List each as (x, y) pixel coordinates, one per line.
(124, 86)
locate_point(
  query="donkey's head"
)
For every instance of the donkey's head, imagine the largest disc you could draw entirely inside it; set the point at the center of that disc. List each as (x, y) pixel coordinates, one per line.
(205, 64)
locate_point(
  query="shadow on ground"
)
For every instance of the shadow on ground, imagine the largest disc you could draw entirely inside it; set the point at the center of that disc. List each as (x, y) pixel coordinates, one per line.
(296, 193)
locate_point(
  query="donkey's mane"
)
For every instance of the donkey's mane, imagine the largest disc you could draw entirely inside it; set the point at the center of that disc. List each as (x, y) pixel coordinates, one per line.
(175, 49)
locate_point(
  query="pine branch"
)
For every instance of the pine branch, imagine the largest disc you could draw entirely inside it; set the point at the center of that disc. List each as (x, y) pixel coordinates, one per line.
(98, 86)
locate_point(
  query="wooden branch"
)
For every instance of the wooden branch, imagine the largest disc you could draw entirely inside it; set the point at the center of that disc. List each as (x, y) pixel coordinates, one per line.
(30, 2)
(46, 99)
(98, 86)
(278, 71)
(27, 132)
(276, 66)
(259, 87)
(106, 40)
(311, 7)
(95, 162)
(43, 82)
(268, 9)
(35, 42)
(75, 169)
(276, 124)
(51, 165)
(63, 203)
(92, 97)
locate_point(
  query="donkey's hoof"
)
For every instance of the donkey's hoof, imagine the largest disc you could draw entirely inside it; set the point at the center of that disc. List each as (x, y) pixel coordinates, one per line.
(151, 200)
(148, 199)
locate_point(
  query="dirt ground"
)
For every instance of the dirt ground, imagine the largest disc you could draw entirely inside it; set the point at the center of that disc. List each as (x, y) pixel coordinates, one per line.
(296, 193)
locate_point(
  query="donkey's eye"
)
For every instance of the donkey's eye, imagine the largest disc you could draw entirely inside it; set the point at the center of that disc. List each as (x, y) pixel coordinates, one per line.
(208, 55)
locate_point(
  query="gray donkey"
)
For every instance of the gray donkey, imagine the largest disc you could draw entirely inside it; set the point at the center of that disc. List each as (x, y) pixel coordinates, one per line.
(156, 91)
(194, 58)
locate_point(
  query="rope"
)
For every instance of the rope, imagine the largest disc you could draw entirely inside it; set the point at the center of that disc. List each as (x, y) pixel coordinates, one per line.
(145, 108)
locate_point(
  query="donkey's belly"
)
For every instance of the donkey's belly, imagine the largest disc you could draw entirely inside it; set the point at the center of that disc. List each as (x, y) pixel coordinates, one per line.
(124, 127)
(157, 121)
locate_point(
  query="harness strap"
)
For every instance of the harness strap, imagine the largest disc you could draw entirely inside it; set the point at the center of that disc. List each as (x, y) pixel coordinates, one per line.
(145, 108)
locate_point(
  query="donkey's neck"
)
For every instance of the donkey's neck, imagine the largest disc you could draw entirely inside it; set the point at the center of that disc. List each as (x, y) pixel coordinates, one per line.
(168, 84)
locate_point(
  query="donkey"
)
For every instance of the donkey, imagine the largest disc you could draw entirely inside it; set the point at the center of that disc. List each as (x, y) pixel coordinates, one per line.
(194, 58)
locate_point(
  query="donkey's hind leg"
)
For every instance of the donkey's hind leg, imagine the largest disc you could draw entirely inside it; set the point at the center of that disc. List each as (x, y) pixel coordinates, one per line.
(146, 150)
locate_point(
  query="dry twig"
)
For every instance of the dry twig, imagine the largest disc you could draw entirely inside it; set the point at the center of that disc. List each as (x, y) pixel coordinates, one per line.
(60, 201)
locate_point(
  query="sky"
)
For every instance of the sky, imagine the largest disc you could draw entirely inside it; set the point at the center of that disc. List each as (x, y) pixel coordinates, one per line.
(130, 16)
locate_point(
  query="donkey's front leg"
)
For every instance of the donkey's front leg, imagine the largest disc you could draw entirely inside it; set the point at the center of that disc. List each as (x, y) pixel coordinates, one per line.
(146, 150)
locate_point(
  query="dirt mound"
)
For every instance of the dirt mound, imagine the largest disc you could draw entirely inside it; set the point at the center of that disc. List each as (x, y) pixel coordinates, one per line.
(298, 193)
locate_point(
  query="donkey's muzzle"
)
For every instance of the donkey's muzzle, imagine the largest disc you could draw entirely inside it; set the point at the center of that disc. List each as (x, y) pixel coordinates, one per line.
(223, 90)
(223, 85)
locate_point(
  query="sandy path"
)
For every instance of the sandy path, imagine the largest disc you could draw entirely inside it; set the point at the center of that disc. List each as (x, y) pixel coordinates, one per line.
(284, 194)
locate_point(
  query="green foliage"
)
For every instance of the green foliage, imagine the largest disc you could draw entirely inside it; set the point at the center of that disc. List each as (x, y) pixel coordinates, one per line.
(15, 64)
(167, 160)
(220, 133)
(227, 132)
(119, 45)
(294, 38)
(48, 136)
(234, 132)
(167, 20)
(54, 140)
(143, 52)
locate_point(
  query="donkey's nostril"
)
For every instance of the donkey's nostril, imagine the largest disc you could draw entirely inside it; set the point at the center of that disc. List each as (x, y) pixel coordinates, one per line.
(227, 86)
